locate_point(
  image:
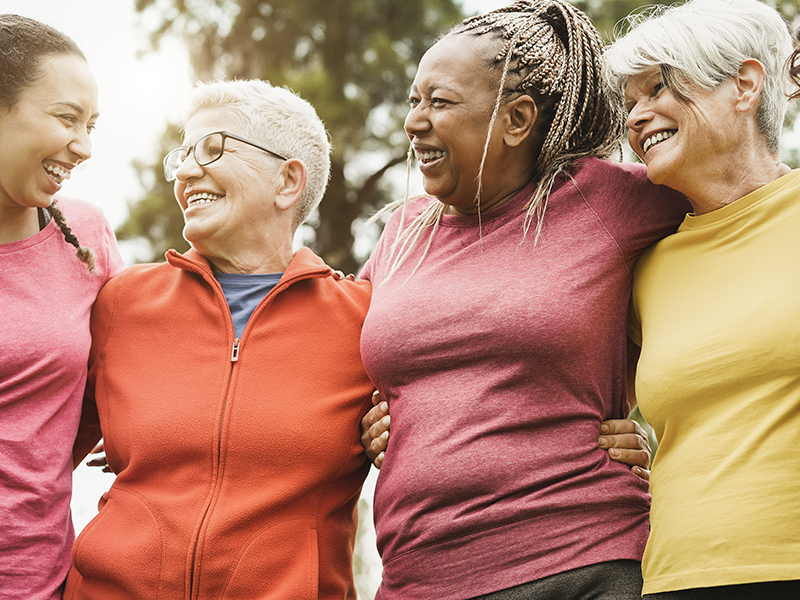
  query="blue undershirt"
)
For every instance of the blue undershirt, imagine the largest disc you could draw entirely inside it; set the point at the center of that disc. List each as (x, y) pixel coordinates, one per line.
(244, 292)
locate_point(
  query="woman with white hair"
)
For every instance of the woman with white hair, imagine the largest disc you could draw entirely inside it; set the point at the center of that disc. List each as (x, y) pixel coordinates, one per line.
(227, 355)
(715, 306)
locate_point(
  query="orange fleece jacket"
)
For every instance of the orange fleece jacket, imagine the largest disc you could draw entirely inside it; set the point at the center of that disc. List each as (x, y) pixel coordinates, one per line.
(238, 461)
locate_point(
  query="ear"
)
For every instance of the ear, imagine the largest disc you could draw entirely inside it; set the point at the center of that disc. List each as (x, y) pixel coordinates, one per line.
(749, 83)
(519, 118)
(290, 182)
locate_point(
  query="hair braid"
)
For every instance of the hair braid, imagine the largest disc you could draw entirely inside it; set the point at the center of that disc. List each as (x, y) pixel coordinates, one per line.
(793, 65)
(551, 51)
(85, 253)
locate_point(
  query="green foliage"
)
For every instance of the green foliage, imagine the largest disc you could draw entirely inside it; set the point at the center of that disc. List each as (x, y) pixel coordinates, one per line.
(156, 217)
(352, 59)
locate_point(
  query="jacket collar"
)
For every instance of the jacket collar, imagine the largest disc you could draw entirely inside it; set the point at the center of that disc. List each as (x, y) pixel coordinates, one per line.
(304, 264)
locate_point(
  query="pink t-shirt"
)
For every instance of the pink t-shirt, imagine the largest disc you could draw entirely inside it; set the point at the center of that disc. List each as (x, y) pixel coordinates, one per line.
(499, 359)
(46, 295)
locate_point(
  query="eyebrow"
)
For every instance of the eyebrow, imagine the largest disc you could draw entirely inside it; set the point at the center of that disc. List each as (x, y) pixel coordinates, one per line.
(435, 87)
(77, 107)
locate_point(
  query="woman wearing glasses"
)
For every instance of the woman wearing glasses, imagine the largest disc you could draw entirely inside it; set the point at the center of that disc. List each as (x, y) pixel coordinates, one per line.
(228, 355)
(48, 107)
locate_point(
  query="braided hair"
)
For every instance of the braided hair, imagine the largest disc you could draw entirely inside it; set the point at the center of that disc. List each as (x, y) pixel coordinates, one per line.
(24, 45)
(793, 65)
(85, 254)
(550, 51)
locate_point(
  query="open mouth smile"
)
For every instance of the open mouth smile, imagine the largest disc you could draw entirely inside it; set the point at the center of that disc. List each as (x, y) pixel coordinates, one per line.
(57, 172)
(426, 157)
(657, 138)
(202, 198)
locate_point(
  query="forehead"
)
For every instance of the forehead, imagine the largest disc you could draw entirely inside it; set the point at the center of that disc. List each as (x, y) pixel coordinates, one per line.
(457, 62)
(641, 81)
(205, 121)
(65, 79)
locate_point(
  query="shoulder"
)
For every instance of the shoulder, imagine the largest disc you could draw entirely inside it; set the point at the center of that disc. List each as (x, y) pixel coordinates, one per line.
(90, 226)
(611, 174)
(81, 214)
(140, 280)
(307, 266)
(405, 211)
(623, 189)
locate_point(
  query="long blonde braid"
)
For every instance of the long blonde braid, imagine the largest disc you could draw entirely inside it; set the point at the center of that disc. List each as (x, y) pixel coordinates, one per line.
(551, 51)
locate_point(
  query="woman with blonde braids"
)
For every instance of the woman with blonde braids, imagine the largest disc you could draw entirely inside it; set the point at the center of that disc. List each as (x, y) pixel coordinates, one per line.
(496, 330)
(48, 107)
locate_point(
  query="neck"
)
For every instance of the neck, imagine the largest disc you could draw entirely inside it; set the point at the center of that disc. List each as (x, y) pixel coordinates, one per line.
(734, 171)
(253, 262)
(18, 223)
(512, 182)
(720, 191)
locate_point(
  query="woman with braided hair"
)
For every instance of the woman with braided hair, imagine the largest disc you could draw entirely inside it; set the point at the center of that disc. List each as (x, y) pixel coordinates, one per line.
(496, 330)
(48, 107)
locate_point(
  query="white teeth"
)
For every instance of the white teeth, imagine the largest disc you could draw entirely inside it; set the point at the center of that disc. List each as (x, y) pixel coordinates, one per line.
(428, 156)
(202, 198)
(656, 138)
(58, 172)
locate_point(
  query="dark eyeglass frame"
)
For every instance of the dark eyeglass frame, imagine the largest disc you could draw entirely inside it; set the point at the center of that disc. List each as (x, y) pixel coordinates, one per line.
(192, 150)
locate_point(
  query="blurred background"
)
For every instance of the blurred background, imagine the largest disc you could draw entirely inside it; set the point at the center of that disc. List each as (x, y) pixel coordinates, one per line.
(352, 59)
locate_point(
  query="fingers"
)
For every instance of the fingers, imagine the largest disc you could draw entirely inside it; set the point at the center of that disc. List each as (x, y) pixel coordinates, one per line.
(627, 443)
(643, 473)
(100, 447)
(636, 458)
(375, 430)
(376, 413)
(615, 426)
(99, 461)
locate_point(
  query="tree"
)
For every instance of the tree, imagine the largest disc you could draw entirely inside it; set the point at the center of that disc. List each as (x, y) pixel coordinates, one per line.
(352, 59)
(156, 217)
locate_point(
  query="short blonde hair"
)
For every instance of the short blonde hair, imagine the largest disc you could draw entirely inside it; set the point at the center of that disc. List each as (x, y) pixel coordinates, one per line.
(280, 120)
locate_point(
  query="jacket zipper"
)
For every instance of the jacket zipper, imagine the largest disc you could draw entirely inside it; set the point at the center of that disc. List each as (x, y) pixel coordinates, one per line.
(194, 589)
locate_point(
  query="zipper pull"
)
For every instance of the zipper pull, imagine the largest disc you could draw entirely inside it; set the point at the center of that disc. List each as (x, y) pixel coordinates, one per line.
(235, 351)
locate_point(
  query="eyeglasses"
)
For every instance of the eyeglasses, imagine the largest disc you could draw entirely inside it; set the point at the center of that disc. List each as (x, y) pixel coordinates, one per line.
(206, 150)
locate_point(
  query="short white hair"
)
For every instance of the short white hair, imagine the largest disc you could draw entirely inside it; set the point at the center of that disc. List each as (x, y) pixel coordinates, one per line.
(278, 119)
(702, 44)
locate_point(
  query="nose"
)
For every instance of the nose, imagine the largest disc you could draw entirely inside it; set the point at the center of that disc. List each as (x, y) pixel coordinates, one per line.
(189, 169)
(638, 116)
(416, 122)
(81, 146)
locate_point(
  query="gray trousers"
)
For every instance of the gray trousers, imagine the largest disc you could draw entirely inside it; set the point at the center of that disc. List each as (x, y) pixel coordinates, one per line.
(614, 580)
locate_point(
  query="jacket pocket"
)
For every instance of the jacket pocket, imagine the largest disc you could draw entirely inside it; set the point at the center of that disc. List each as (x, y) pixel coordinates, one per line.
(119, 554)
(280, 562)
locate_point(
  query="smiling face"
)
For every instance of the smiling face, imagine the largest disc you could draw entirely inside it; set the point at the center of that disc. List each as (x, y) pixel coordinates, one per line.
(451, 104)
(679, 141)
(228, 205)
(46, 133)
